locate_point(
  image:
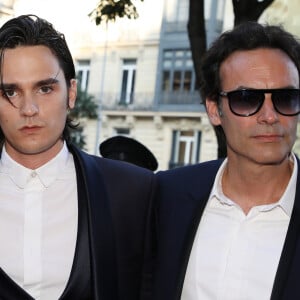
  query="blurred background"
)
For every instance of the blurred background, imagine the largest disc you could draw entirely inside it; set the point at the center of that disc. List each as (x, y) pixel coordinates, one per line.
(137, 77)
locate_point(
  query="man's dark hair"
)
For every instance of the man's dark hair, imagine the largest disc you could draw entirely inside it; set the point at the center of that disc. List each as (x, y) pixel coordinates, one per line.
(30, 30)
(247, 36)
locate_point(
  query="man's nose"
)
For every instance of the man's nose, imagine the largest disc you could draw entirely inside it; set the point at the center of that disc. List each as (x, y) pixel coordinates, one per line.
(28, 105)
(267, 113)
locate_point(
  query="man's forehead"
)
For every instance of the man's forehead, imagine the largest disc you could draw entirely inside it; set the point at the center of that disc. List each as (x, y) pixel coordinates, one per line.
(29, 57)
(251, 55)
(261, 63)
(29, 64)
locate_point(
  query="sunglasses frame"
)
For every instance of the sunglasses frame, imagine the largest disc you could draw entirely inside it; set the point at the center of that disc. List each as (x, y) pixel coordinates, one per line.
(263, 91)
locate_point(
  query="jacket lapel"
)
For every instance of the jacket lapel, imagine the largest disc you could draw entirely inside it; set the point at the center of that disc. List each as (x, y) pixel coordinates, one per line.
(180, 210)
(95, 230)
(286, 284)
(79, 284)
(10, 290)
(101, 234)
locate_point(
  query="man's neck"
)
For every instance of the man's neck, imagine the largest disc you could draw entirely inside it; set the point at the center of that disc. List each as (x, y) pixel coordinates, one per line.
(34, 160)
(249, 185)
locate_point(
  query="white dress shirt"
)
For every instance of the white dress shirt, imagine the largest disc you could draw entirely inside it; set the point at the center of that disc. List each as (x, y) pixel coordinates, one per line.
(235, 256)
(38, 224)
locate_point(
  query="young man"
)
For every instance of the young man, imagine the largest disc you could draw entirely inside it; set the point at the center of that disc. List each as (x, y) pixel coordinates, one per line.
(230, 229)
(71, 224)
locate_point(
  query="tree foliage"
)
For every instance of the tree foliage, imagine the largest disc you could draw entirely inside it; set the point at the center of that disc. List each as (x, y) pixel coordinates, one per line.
(109, 10)
(85, 107)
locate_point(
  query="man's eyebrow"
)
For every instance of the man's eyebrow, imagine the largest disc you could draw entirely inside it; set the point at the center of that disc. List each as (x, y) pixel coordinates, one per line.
(8, 86)
(11, 86)
(50, 80)
(47, 81)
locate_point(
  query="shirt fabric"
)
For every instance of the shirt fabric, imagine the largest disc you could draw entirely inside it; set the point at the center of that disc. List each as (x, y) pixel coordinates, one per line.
(38, 223)
(235, 256)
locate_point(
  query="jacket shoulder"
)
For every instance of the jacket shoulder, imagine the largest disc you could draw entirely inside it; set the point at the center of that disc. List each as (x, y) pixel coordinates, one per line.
(199, 171)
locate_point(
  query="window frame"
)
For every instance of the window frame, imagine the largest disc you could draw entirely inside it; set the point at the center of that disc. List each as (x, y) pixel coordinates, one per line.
(128, 81)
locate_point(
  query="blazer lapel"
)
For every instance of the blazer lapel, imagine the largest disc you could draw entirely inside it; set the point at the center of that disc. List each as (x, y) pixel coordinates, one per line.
(286, 284)
(101, 234)
(200, 194)
(79, 284)
(180, 210)
(95, 248)
(9, 290)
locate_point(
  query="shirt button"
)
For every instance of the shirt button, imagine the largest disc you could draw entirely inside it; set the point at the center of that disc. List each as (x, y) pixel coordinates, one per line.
(33, 174)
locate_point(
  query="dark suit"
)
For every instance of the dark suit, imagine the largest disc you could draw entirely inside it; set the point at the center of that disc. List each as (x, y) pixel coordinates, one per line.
(113, 207)
(183, 194)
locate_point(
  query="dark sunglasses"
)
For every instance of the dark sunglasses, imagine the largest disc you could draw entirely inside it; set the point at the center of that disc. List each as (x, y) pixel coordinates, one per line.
(247, 102)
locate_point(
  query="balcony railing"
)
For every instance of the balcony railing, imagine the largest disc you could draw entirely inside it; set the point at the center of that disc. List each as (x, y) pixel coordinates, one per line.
(146, 101)
(184, 98)
(138, 101)
(175, 27)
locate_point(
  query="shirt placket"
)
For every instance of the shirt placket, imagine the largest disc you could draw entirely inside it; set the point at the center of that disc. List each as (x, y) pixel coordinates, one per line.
(33, 236)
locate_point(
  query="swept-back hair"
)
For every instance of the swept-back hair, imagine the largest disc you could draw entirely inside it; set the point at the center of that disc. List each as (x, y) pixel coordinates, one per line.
(30, 30)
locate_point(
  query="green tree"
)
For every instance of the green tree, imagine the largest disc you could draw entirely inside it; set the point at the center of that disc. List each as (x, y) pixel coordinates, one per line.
(85, 107)
(109, 10)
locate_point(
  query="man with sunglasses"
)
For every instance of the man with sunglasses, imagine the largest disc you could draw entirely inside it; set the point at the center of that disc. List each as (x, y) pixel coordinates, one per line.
(230, 229)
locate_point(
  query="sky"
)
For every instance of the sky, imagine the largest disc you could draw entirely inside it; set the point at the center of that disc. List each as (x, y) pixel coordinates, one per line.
(68, 16)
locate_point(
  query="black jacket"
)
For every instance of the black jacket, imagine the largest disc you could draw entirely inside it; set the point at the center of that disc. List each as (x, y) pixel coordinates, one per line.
(183, 194)
(113, 201)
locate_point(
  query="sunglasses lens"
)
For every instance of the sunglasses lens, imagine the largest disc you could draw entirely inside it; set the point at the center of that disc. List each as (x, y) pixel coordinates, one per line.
(245, 102)
(287, 102)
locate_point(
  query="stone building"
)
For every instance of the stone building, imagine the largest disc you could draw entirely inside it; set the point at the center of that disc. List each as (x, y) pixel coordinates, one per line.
(141, 72)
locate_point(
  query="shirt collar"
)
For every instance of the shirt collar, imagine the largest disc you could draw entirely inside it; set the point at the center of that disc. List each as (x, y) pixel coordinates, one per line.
(47, 173)
(286, 202)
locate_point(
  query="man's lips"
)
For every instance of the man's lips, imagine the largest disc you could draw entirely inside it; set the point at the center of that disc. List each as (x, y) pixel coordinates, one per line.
(268, 137)
(30, 129)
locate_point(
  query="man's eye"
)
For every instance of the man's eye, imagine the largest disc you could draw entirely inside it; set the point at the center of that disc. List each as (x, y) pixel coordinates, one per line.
(10, 93)
(46, 89)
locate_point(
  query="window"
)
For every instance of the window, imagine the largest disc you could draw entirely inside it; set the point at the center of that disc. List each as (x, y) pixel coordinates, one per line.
(185, 148)
(182, 10)
(83, 73)
(178, 72)
(177, 11)
(122, 131)
(128, 80)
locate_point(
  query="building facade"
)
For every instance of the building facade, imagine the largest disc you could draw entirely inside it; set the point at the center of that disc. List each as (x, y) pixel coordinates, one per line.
(6, 10)
(141, 73)
(143, 77)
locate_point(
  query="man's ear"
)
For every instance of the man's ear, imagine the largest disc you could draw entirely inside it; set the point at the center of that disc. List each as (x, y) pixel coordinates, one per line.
(213, 111)
(72, 93)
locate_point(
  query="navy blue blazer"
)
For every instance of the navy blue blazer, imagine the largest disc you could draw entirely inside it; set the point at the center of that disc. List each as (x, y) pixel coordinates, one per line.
(114, 199)
(182, 196)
